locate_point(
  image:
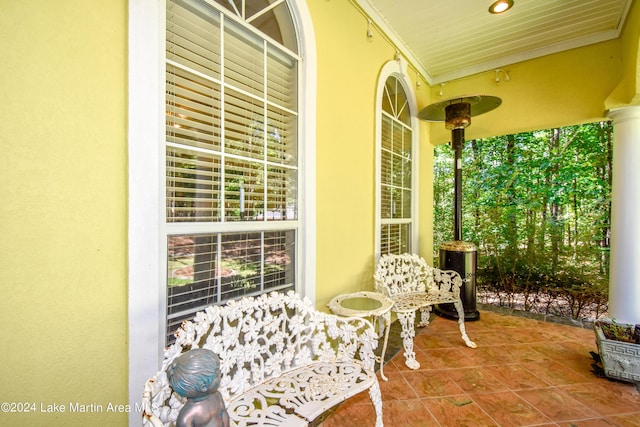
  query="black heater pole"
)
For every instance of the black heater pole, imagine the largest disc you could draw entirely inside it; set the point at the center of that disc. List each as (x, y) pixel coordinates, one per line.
(459, 255)
(457, 142)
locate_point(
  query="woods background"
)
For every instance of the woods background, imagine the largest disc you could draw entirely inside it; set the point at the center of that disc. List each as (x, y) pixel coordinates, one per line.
(537, 205)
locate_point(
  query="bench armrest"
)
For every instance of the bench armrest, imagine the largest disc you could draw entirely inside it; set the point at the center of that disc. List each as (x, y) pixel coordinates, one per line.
(445, 282)
(354, 337)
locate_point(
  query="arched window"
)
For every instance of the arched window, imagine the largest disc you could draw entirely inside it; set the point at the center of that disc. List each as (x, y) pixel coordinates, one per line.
(231, 153)
(396, 228)
(221, 118)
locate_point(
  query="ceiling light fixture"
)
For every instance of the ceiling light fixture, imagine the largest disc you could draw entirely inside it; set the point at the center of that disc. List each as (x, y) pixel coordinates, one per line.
(500, 6)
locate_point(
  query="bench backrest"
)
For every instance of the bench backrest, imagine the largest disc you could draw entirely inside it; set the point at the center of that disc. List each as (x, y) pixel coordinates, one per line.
(402, 274)
(259, 338)
(409, 273)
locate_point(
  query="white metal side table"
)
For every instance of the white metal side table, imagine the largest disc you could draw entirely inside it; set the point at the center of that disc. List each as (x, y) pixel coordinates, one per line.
(367, 304)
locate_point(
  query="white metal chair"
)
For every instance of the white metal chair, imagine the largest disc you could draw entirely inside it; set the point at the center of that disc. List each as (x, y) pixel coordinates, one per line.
(413, 286)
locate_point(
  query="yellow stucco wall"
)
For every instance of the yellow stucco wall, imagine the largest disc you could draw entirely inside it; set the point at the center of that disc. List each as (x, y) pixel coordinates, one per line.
(349, 63)
(628, 90)
(63, 309)
(556, 90)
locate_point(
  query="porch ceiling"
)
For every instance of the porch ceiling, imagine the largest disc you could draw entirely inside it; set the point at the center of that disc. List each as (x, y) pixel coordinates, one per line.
(452, 39)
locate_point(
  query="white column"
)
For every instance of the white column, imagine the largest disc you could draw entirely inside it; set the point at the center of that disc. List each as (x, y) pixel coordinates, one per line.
(624, 281)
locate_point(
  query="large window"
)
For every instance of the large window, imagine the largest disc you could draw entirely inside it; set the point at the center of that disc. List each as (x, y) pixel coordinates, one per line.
(215, 205)
(231, 169)
(396, 161)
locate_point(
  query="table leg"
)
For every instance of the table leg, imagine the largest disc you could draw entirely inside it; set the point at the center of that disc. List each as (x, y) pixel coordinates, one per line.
(387, 320)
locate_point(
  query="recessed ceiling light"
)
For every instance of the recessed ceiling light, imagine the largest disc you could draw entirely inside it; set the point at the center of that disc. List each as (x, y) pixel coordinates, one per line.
(500, 6)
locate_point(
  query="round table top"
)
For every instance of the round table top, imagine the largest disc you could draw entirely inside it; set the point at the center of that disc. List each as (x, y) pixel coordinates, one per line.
(361, 304)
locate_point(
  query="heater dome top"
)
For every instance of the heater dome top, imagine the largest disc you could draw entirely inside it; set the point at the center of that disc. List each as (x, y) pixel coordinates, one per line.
(479, 104)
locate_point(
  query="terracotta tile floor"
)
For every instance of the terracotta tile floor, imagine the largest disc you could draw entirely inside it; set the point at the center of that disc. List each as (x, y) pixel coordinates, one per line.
(525, 372)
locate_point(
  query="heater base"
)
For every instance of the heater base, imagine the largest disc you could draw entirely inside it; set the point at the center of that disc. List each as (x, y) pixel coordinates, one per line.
(460, 257)
(448, 311)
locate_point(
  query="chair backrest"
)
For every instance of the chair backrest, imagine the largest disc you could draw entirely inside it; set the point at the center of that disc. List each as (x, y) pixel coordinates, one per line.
(402, 274)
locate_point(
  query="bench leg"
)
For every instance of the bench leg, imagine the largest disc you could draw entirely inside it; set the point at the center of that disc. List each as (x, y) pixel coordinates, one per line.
(425, 312)
(463, 331)
(407, 320)
(376, 399)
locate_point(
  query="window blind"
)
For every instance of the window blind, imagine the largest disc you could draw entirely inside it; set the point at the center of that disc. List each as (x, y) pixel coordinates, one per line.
(249, 103)
(209, 268)
(396, 169)
(231, 152)
(395, 238)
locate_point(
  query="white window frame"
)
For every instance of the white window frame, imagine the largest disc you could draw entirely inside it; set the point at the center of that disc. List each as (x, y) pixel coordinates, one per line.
(146, 151)
(398, 69)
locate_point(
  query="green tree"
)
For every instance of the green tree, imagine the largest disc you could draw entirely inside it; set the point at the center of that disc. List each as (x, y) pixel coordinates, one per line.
(537, 204)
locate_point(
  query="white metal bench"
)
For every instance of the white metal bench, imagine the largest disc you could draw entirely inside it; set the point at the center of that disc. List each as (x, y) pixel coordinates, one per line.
(413, 285)
(282, 362)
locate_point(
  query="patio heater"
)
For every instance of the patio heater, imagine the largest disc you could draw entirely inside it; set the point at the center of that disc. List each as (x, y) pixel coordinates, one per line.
(459, 255)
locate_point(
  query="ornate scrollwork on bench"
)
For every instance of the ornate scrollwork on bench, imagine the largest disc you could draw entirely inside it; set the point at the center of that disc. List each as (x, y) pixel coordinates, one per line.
(282, 362)
(414, 286)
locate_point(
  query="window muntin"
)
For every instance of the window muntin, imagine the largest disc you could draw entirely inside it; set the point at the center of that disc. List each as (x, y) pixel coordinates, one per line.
(395, 102)
(395, 170)
(271, 17)
(231, 153)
